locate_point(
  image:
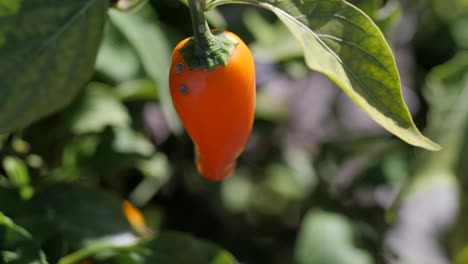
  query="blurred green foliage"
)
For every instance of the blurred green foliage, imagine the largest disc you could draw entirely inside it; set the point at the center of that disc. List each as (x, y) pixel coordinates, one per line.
(319, 182)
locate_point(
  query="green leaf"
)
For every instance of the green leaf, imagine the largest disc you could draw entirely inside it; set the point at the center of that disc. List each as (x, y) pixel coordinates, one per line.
(447, 94)
(236, 192)
(141, 89)
(129, 5)
(11, 203)
(385, 16)
(9, 7)
(48, 49)
(157, 172)
(89, 221)
(434, 195)
(344, 44)
(16, 171)
(173, 247)
(449, 10)
(326, 238)
(458, 235)
(273, 42)
(81, 214)
(98, 109)
(284, 181)
(369, 6)
(154, 51)
(116, 58)
(18, 174)
(107, 245)
(462, 256)
(16, 244)
(130, 141)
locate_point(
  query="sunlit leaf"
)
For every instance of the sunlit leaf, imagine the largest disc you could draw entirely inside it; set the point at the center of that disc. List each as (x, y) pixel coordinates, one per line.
(48, 49)
(9, 7)
(98, 109)
(462, 256)
(129, 141)
(283, 181)
(236, 192)
(327, 238)
(116, 58)
(157, 172)
(142, 89)
(344, 44)
(18, 175)
(106, 245)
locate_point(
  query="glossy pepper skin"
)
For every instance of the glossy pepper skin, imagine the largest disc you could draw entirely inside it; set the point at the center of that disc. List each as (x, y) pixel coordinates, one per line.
(216, 107)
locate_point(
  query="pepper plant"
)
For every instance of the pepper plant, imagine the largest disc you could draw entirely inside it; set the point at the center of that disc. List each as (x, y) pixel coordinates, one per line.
(95, 96)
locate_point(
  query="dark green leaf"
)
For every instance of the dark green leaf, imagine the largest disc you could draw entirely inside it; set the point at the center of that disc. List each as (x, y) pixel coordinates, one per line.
(172, 247)
(80, 215)
(16, 244)
(11, 203)
(44, 65)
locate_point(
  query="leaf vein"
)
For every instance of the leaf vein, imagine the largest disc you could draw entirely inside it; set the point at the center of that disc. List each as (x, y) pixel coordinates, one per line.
(353, 75)
(335, 16)
(356, 46)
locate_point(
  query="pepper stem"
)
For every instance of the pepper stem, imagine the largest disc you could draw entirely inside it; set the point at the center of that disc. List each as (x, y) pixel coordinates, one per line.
(206, 49)
(201, 29)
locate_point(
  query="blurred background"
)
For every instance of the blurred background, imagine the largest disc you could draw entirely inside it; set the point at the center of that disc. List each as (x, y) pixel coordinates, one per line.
(319, 181)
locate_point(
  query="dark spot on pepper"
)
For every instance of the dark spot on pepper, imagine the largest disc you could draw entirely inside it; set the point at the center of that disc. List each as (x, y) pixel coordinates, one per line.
(179, 68)
(183, 89)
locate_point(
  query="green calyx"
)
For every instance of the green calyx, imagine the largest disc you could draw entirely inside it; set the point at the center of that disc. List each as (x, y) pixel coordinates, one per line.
(208, 51)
